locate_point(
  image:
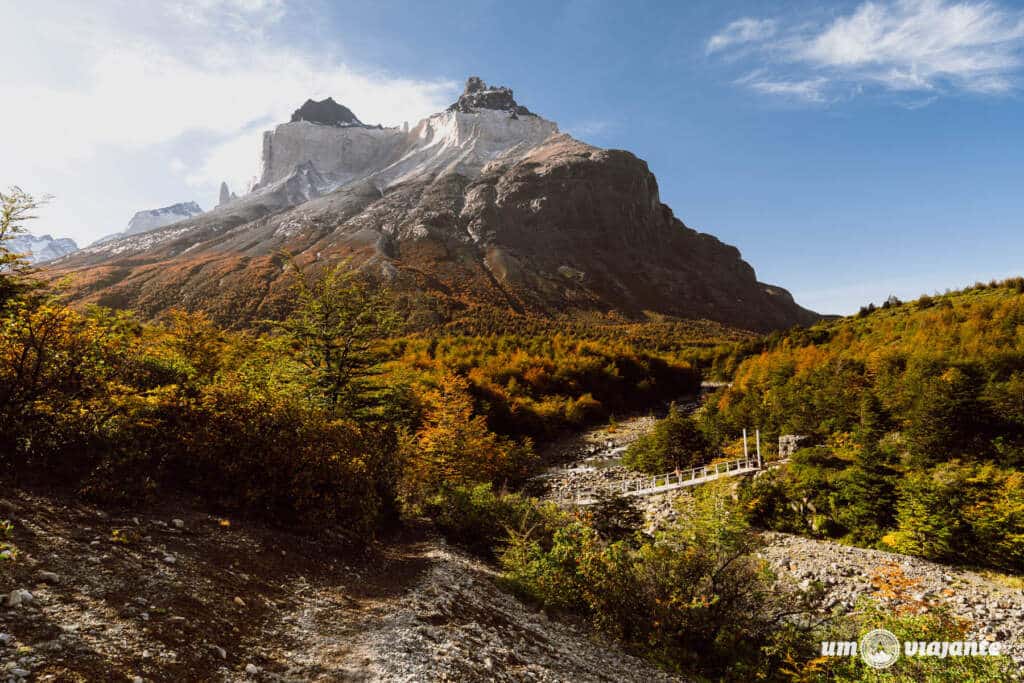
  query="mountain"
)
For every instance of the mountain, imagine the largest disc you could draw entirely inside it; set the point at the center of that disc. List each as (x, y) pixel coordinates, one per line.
(151, 219)
(483, 204)
(144, 221)
(40, 249)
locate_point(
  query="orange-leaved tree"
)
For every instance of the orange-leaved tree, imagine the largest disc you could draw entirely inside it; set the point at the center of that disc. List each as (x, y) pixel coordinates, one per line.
(454, 447)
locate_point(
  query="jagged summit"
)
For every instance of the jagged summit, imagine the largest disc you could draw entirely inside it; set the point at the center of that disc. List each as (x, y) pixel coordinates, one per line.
(479, 95)
(326, 112)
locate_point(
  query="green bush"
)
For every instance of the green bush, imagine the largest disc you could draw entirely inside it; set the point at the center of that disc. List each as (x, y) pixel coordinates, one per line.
(694, 596)
(479, 518)
(674, 442)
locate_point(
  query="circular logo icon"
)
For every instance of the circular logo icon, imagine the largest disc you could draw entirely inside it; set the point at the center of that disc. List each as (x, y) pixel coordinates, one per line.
(879, 648)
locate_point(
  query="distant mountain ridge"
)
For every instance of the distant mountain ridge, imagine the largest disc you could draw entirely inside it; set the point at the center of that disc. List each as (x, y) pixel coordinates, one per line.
(484, 203)
(144, 221)
(151, 219)
(41, 248)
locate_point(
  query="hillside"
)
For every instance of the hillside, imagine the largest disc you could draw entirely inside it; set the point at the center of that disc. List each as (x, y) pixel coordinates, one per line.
(913, 418)
(484, 204)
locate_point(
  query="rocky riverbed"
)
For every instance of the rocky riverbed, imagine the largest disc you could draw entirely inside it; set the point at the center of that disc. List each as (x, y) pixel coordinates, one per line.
(994, 609)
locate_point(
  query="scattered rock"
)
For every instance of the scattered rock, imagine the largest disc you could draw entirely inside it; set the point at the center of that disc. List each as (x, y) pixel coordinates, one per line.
(48, 577)
(19, 596)
(453, 624)
(845, 574)
(178, 523)
(239, 601)
(221, 652)
(251, 669)
(170, 559)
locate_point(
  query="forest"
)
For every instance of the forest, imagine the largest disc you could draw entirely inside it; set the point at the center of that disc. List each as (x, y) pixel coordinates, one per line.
(914, 418)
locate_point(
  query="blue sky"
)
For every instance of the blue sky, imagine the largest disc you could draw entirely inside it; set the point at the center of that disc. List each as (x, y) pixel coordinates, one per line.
(850, 150)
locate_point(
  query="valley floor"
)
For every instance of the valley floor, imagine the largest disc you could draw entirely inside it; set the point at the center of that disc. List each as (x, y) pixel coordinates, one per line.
(993, 609)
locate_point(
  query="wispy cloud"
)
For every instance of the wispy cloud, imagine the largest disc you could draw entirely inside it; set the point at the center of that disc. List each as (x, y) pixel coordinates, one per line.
(808, 90)
(915, 46)
(740, 32)
(243, 15)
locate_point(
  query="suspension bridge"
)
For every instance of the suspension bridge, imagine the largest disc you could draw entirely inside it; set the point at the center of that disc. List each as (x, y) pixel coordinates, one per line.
(661, 483)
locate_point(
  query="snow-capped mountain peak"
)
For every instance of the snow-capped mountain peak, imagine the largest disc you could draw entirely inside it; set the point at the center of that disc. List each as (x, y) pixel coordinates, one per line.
(41, 248)
(151, 219)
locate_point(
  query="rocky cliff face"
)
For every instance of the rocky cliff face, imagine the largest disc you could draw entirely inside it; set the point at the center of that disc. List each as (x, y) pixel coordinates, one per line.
(481, 204)
(326, 112)
(460, 140)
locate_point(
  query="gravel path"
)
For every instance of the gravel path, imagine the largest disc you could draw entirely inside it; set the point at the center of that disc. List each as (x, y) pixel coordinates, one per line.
(179, 595)
(453, 624)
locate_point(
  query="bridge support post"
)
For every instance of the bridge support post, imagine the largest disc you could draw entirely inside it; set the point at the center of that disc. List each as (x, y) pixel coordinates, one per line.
(758, 449)
(746, 455)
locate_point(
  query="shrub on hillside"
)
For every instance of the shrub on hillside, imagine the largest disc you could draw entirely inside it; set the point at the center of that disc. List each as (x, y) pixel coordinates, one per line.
(121, 412)
(288, 461)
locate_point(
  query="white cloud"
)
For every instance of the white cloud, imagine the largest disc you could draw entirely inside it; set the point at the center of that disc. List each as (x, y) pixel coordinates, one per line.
(904, 46)
(234, 161)
(212, 12)
(810, 90)
(192, 82)
(741, 31)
